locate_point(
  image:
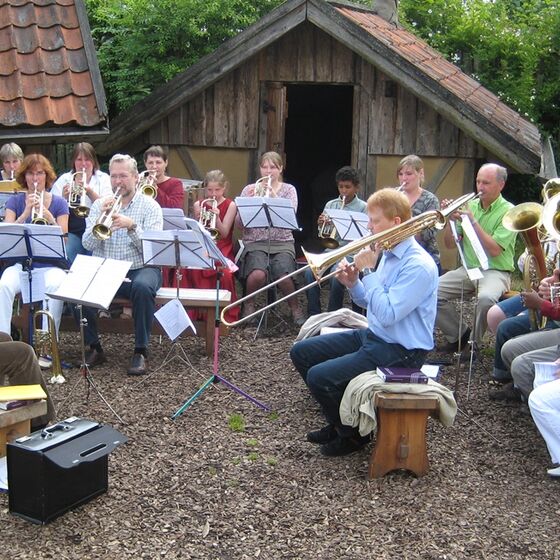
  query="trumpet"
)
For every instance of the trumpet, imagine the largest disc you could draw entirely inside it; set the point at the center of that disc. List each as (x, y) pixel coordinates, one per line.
(38, 214)
(207, 219)
(45, 343)
(147, 184)
(318, 264)
(263, 186)
(102, 228)
(77, 194)
(327, 231)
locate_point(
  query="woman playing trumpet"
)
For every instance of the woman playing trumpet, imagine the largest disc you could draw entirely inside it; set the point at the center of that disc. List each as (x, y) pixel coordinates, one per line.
(34, 175)
(270, 246)
(170, 193)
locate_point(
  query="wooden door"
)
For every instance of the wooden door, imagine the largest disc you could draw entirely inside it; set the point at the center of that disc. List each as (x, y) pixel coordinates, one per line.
(275, 111)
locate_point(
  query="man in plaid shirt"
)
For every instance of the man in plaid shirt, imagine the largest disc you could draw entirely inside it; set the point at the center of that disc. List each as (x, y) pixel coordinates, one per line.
(138, 213)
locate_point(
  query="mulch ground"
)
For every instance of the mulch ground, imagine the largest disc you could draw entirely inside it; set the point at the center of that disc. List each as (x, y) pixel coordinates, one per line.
(227, 480)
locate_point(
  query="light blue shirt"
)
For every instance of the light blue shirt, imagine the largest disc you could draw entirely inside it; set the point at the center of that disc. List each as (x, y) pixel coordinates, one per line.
(401, 296)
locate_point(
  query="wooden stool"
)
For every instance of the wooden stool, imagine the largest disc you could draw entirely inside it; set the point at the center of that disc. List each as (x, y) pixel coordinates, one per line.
(401, 433)
(16, 423)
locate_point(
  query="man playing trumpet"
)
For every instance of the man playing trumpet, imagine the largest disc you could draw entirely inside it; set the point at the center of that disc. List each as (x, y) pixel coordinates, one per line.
(137, 213)
(400, 322)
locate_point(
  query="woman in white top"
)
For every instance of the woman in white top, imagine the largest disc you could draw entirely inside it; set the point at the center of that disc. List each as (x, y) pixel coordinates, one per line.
(98, 185)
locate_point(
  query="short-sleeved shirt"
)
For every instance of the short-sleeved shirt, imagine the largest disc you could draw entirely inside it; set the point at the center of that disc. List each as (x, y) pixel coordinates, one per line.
(490, 220)
(16, 203)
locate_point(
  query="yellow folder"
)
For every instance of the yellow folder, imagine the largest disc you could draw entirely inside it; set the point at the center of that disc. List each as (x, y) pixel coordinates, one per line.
(22, 393)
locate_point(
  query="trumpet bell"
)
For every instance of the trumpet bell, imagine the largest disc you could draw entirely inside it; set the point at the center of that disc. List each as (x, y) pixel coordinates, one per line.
(149, 190)
(214, 233)
(81, 211)
(101, 232)
(40, 221)
(329, 243)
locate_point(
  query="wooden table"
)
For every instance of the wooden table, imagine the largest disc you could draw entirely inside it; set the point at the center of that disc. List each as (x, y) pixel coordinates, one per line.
(401, 434)
(16, 423)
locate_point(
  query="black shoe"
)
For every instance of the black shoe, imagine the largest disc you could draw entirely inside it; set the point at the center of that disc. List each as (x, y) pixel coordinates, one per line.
(322, 436)
(340, 446)
(507, 393)
(95, 358)
(137, 365)
(453, 346)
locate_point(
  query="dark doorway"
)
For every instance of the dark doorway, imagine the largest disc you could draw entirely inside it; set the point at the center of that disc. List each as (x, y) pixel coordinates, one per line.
(318, 142)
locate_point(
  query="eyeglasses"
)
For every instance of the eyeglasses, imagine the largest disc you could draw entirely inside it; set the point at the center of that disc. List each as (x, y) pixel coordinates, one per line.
(35, 173)
(120, 176)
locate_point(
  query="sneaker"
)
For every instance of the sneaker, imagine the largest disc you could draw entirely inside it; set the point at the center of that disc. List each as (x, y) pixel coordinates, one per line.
(340, 446)
(45, 362)
(508, 393)
(554, 473)
(322, 436)
(57, 379)
(449, 347)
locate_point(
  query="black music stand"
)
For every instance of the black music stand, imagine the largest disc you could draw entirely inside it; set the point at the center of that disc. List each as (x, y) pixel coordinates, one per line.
(265, 212)
(349, 225)
(91, 281)
(30, 243)
(218, 263)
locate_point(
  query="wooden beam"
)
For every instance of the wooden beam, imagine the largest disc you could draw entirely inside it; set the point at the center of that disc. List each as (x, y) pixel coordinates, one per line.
(189, 163)
(440, 175)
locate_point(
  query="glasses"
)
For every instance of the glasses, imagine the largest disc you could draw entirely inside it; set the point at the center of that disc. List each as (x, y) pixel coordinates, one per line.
(35, 173)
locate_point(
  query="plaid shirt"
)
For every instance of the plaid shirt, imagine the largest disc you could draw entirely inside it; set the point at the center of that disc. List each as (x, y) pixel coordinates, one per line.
(124, 245)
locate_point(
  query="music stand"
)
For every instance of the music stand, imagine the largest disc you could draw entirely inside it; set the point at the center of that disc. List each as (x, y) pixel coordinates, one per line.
(29, 243)
(218, 262)
(349, 225)
(265, 212)
(91, 281)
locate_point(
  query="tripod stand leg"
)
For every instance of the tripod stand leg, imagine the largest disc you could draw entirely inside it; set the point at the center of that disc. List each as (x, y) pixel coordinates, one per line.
(191, 399)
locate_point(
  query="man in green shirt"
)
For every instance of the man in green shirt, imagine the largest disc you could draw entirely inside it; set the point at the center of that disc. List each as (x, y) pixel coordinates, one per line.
(486, 215)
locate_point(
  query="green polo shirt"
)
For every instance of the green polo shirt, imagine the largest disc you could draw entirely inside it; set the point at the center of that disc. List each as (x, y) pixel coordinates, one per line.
(490, 220)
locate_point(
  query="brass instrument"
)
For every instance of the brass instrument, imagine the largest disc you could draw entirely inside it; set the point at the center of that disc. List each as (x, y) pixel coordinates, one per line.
(10, 186)
(38, 215)
(263, 186)
(147, 184)
(550, 189)
(321, 262)
(77, 194)
(526, 219)
(102, 228)
(207, 219)
(551, 216)
(45, 344)
(327, 231)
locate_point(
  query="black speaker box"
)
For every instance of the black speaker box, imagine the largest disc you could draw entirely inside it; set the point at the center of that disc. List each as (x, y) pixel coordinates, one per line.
(54, 470)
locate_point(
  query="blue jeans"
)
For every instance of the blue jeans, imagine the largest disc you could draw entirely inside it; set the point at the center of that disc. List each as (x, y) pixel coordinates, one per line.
(141, 290)
(328, 363)
(74, 247)
(511, 306)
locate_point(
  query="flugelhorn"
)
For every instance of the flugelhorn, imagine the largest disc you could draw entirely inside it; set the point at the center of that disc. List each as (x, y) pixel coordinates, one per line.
(318, 264)
(147, 183)
(327, 230)
(77, 194)
(102, 228)
(38, 214)
(526, 219)
(207, 219)
(45, 344)
(263, 186)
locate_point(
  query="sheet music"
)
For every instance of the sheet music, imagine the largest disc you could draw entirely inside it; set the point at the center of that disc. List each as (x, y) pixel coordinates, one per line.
(468, 230)
(37, 284)
(173, 218)
(174, 319)
(472, 273)
(46, 242)
(257, 211)
(93, 281)
(349, 225)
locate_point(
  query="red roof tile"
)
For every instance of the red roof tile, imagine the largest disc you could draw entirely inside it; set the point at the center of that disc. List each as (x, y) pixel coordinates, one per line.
(453, 79)
(45, 77)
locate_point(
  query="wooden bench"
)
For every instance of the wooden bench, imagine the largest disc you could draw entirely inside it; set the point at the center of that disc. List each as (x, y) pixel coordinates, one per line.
(16, 423)
(203, 299)
(401, 434)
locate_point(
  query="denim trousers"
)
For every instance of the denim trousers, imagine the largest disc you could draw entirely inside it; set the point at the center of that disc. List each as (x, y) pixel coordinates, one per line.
(141, 290)
(329, 362)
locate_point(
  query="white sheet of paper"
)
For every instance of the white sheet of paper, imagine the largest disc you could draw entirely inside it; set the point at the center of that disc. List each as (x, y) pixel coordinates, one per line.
(45, 241)
(430, 370)
(279, 212)
(174, 319)
(3, 474)
(173, 218)
(468, 230)
(37, 285)
(349, 225)
(472, 273)
(93, 281)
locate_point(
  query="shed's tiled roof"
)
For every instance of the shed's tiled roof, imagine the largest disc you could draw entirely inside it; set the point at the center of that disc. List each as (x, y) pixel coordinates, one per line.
(434, 66)
(48, 71)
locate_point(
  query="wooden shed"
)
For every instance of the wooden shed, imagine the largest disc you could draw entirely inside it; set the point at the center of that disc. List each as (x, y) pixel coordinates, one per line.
(329, 84)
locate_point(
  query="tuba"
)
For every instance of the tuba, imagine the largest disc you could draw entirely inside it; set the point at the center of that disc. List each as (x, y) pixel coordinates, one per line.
(327, 231)
(102, 228)
(526, 219)
(77, 194)
(147, 184)
(45, 344)
(550, 189)
(263, 186)
(38, 214)
(207, 219)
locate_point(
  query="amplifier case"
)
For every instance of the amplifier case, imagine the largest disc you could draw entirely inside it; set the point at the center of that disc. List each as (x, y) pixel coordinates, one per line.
(57, 469)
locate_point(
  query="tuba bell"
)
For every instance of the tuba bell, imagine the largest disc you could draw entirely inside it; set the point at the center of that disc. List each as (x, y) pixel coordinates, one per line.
(550, 189)
(45, 343)
(526, 219)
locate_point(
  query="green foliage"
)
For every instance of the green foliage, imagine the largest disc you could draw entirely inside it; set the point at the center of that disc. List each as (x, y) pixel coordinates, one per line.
(236, 422)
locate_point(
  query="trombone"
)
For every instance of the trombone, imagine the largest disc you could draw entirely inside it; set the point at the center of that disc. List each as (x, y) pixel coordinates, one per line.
(327, 230)
(77, 194)
(102, 228)
(318, 264)
(147, 184)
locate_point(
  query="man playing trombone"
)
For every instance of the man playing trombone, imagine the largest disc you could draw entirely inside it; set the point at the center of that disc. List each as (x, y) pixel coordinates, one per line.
(124, 219)
(400, 321)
